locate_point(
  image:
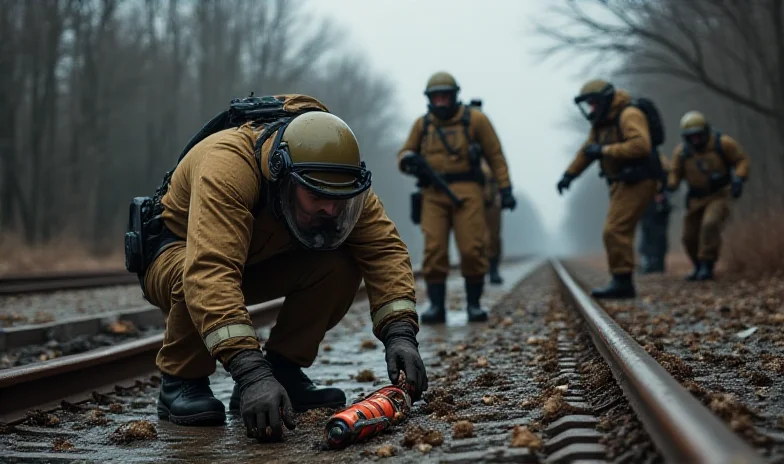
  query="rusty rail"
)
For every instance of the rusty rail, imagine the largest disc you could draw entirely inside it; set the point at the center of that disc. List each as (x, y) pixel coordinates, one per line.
(683, 429)
(52, 281)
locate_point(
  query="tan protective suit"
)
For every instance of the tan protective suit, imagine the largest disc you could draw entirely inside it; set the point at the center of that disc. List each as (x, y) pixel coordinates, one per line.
(706, 215)
(233, 258)
(627, 202)
(439, 215)
(492, 213)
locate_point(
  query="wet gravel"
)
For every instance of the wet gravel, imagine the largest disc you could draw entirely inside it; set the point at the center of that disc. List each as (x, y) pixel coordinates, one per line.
(480, 376)
(722, 340)
(36, 308)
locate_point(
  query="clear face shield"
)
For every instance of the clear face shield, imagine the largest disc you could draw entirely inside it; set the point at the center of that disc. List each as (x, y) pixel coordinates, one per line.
(588, 108)
(319, 222)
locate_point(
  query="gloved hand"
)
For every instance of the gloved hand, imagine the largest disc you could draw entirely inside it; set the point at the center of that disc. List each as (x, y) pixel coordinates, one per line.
(402, 353)
(564, 183)
(736, 186)
(593, 151)
(507, 199)
(412, 162)
(264, 403)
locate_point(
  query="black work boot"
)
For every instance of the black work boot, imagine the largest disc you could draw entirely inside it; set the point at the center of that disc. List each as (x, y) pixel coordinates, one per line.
(653, 266)
(495, 277)
(474, 310)
(705, 271)
(436, 313)
(302, 392)
(621, 286)
(189, 402)
(692, 276)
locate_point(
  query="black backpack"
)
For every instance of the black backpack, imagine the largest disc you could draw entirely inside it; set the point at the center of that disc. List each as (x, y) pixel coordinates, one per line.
(652, 115)
(651, 167)
(146, 234)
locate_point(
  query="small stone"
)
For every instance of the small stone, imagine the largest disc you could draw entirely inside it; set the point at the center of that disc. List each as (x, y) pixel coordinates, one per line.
(116, 408)
(61, 444)
(424, 448)
(488, 400)
(524, 438)
(365, 375)
(506, 322)
(463, 429)
(481, 361)
(134, 430)
(368, 345)
(327, 348)
(386, 451)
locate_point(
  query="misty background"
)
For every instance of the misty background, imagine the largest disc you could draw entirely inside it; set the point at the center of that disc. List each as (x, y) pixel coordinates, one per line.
(98, 97)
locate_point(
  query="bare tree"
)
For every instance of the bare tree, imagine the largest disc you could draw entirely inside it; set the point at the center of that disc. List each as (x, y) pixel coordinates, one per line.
(687, 40)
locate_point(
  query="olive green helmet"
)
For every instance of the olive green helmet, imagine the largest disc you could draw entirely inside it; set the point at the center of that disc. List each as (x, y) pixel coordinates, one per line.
(319, 179)
(695, 130)
(595, 100)
(441, 82)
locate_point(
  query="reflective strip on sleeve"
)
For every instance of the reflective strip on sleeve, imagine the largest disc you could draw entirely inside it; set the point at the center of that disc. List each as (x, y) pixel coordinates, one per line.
(226, 332)
(391, 308)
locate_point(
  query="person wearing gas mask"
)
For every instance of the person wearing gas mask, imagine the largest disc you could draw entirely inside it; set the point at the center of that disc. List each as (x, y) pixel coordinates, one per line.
(452, 139)
(620, 139)
(291, 215)
(715, 168)
(654, 224)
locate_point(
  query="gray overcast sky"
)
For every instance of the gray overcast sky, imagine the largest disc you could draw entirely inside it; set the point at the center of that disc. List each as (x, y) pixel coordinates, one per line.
(487, 46)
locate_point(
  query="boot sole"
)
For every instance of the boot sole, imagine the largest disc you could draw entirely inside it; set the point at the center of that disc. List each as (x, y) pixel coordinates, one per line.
(205, 418)
(614, 297)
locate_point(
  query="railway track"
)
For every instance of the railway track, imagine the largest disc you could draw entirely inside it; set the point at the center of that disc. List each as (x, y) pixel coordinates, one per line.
(490, 374)
(66, 280)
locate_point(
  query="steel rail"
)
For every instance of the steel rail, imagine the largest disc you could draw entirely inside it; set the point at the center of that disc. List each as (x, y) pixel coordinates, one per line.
(683, 429)
(64, 280)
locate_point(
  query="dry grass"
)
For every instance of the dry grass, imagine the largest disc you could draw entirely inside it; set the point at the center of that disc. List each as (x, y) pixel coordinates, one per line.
(66, 254)
(754, 244)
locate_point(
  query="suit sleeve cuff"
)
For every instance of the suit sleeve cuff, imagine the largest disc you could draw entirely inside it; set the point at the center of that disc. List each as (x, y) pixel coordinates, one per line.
(394, 311)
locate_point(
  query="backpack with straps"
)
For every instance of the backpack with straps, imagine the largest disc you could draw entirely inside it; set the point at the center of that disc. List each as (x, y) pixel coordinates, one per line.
(146, 234)
(651, 167)
(474, 149)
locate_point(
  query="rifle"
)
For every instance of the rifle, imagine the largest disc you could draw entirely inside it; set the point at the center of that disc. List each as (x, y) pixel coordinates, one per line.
(427, 176)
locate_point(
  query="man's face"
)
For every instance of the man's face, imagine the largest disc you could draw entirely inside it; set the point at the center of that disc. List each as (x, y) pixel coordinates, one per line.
(440, 99)
(313, 211)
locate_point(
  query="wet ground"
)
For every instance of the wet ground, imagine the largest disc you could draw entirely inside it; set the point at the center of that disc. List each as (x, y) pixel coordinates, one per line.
(36, 308)
(722, 340)
(480, 376)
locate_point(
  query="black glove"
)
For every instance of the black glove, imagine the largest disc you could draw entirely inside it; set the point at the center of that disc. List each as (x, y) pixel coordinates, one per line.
(593, 151)
(402, 353)
(736, 187)
(263, 401)
(507, 199)
(412, 163)
(563, 184)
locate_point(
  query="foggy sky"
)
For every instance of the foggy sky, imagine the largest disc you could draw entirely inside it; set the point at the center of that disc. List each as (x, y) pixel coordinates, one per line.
(488, 47)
